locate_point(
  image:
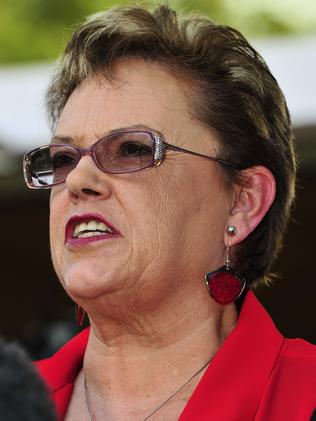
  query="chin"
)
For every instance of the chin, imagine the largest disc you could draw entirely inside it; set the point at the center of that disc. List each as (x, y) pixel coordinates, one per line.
(82, 281)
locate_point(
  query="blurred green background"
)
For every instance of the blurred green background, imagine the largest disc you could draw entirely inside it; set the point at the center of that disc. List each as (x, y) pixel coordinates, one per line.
(38, 29)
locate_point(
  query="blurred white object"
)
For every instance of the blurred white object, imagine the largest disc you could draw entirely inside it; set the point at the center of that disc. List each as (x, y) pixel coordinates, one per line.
(23, 126)
(22, 116)
(292, 62)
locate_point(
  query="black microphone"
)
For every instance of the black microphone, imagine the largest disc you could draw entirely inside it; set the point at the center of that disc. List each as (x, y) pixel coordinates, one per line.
(23, 394)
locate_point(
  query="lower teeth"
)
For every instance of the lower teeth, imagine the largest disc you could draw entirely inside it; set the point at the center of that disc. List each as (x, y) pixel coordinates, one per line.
(89, 234)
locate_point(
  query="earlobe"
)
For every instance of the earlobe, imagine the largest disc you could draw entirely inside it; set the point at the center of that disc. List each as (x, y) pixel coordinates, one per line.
(252, 200)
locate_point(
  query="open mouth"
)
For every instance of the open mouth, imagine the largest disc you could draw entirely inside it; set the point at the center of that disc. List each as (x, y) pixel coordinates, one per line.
(88, 227)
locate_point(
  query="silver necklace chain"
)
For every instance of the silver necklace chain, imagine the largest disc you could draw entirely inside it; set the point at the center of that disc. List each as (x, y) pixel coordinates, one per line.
(159, 406)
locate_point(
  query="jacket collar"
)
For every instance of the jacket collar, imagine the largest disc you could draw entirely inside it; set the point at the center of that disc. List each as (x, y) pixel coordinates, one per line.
(236, 377)
(233, 383)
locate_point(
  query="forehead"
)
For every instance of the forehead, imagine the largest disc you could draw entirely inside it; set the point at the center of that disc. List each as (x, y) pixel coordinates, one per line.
(141, 93)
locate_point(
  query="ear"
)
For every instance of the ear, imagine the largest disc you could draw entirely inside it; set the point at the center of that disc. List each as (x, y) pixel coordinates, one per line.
(251, 201)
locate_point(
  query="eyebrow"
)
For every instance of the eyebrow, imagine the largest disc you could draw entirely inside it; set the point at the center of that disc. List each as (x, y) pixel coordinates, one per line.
(71, 140)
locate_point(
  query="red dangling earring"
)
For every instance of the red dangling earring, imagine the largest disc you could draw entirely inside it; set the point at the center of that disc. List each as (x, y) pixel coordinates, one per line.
(79, 315)
(224, 284)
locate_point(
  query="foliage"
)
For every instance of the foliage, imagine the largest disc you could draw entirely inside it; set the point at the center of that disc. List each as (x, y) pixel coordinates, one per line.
(38, 29)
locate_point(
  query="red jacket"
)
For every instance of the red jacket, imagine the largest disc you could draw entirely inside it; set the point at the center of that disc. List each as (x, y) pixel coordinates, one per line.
(256, 375)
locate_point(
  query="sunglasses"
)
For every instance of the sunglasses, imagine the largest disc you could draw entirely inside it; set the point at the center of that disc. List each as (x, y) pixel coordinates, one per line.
(118, 153)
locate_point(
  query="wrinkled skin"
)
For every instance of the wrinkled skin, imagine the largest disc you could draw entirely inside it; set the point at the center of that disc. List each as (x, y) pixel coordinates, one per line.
(172, 218)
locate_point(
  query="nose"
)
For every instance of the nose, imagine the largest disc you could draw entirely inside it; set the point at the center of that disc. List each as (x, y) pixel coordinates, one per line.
(87, 180)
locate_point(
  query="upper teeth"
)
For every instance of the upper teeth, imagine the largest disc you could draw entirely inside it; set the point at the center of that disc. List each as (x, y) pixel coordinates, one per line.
(90, 226)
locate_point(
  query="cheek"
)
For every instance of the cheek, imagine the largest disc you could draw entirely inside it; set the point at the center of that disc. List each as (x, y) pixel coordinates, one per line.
(178, 210)
(200, 204)
(56, 218)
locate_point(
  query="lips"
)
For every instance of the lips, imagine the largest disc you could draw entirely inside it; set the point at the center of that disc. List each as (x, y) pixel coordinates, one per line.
(88, 228)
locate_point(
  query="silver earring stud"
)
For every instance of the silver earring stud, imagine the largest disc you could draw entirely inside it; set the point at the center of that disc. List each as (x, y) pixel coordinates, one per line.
(231, 230)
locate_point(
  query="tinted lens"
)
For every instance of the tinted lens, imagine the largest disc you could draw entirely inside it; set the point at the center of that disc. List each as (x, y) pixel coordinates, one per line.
(50, 165)
(125, 152)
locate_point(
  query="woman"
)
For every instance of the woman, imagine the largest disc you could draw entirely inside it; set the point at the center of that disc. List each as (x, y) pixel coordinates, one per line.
(172, 174)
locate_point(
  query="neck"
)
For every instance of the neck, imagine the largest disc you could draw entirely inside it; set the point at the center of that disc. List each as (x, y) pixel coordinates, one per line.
(168, 344)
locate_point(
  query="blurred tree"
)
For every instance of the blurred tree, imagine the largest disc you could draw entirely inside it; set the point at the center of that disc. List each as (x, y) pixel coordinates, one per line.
(38, 29)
